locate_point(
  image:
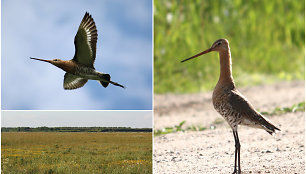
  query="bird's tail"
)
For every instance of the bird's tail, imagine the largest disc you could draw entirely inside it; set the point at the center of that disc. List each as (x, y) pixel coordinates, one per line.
(106, 80)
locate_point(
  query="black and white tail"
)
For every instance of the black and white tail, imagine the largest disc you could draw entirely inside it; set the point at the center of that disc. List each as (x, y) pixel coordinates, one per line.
(106, 80)
(267, 125)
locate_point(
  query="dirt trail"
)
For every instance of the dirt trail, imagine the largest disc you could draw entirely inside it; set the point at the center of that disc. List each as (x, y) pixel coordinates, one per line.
(212, 151)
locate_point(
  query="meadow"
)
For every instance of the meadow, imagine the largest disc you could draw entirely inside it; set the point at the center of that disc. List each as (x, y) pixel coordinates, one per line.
(53, 152)
(266, 40)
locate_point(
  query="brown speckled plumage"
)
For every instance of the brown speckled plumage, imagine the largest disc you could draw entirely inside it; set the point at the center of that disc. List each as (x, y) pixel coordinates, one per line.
(230, 103)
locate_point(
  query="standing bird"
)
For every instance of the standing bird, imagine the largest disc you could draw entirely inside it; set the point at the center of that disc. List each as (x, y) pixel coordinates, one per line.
(230, 103)
(81, 69)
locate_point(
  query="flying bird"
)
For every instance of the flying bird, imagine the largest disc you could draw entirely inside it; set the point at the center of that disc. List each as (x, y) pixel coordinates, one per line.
(80, 69)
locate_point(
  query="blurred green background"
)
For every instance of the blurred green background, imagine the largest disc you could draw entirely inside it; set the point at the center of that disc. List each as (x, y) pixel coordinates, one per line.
(266, 40)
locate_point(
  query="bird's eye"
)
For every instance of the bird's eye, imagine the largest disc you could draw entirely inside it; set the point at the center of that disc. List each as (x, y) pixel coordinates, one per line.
(55, 59)
(219, 43)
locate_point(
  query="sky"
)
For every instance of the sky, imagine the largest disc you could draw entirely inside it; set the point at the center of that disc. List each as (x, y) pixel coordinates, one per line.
(133, 119)
(46, 29)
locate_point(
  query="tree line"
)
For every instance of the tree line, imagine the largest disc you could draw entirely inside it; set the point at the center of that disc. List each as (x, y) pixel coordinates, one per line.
(74, 129)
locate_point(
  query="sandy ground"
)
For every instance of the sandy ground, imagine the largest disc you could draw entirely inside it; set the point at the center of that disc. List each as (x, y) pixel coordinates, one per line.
(212, 151)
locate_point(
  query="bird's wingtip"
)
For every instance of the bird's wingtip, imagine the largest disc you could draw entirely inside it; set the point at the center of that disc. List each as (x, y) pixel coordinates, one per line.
(274, 131)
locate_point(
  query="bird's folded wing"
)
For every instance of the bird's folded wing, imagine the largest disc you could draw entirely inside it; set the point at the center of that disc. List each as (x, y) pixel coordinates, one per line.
(73, 82)
(85, 42)
(241, 105)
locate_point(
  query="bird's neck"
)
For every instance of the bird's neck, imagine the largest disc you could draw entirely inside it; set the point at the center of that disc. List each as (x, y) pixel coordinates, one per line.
(67, 65)
(226, 77)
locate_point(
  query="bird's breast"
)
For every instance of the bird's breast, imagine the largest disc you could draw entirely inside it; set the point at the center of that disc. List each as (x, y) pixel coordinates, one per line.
(220, 101)
(221, 97)
(223, 107)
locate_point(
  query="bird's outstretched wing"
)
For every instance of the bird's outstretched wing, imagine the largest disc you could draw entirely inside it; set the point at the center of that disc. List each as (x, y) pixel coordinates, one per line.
(85, 42)
(73, 82)
(241, 105)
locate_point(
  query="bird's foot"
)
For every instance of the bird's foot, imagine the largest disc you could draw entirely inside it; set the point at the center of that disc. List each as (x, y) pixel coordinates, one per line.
(237, 171)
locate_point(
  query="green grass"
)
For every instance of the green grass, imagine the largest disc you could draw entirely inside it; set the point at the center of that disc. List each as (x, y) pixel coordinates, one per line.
(294, 108)
(178, 128)
(76, 153)
(266, 40)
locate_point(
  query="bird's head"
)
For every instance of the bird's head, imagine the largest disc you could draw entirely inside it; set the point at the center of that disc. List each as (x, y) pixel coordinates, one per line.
(53, 61)
(220, 45)
(64, 65)
(56, 62)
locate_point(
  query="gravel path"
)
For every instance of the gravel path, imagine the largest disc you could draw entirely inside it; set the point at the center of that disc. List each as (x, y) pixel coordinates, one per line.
(212, 151)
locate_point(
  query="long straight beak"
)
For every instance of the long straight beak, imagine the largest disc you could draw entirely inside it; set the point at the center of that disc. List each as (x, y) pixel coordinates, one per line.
(40, 59)
(197, 55)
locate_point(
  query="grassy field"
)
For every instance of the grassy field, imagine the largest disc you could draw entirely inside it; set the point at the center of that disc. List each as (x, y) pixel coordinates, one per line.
(76, 153)
(266, 40)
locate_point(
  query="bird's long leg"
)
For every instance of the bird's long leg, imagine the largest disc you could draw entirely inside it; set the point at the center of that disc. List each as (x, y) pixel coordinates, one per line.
(235, 167)
(116, 84)
(238, 146)
(237, 153)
